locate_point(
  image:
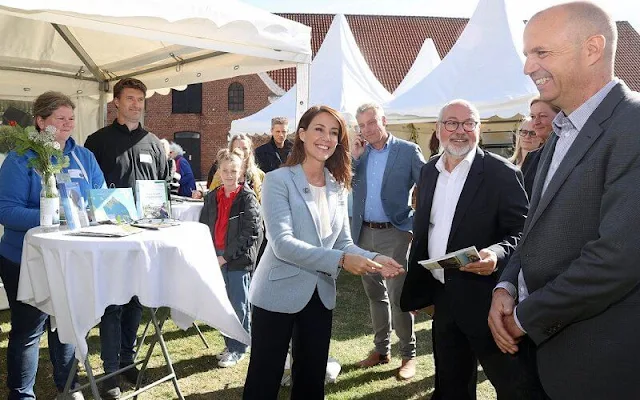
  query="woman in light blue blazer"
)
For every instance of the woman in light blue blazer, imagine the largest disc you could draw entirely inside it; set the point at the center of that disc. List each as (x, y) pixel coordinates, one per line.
(294, 287)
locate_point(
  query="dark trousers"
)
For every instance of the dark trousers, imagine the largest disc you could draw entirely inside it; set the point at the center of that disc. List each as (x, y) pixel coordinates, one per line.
(27, 326)
(527, 352)
(310, 332)
(460, 347)
(118, 334)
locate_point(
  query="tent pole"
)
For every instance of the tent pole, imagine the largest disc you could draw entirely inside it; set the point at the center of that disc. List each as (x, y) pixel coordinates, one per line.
(102, 108)
(302, 90)
(77, 48)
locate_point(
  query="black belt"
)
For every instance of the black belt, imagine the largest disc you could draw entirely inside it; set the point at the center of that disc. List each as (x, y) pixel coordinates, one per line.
(378, 225)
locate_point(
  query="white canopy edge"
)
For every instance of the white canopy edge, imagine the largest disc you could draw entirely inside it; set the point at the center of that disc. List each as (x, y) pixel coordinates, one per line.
(196, 23)
(221, 40)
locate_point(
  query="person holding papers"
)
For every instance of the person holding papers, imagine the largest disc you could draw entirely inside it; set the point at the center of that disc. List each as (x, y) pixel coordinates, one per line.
(19, 211)
(467, 197)
(126, 152)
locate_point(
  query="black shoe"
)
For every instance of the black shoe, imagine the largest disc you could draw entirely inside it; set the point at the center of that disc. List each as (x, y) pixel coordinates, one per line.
(110, 389)
(130, 375)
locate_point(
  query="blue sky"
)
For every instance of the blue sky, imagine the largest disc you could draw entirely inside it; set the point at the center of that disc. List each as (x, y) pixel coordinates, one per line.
(622, 10)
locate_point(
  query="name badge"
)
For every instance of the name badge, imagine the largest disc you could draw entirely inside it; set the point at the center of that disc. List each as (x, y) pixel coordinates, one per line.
(146, 158)
(75, 174)
(63, 177)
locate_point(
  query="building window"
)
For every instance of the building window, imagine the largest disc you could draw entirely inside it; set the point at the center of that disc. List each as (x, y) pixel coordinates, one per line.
(188, 101)
(236, 97)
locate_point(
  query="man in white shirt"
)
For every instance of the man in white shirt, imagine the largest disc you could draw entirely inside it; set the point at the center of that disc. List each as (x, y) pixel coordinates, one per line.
(467, 197)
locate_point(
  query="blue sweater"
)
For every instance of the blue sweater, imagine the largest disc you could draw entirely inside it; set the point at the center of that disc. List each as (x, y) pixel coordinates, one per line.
(20, 193)
(187, 180)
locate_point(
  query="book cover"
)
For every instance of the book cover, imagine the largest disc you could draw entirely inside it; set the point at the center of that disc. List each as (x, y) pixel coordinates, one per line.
(73, 205)
(455, 259)
(152, 199)
(114, 204)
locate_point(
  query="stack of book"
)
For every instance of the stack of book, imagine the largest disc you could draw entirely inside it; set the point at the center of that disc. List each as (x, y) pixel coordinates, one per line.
(120, 215)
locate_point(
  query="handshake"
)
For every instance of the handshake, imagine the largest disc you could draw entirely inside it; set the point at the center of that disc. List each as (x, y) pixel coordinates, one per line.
(383, 265)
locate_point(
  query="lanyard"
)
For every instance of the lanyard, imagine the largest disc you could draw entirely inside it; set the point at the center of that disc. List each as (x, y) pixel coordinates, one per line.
(84, 173)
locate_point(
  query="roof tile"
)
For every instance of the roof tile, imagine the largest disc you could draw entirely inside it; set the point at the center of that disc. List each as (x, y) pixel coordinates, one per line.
(390, 44)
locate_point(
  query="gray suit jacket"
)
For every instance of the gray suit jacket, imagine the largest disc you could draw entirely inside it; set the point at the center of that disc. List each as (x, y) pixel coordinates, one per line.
(296, 260)
(400, 174)
(580, 253)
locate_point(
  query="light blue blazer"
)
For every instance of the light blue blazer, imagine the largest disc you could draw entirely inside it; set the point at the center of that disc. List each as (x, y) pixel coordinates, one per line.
(296, 260)
(400, 174)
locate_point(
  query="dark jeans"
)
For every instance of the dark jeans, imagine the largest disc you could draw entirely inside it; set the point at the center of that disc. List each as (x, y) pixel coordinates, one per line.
(27, 326)
(310, 331)
(118, 333)
(237, 283)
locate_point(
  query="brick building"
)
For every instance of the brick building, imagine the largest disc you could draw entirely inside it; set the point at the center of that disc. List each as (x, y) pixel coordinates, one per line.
(201, 116)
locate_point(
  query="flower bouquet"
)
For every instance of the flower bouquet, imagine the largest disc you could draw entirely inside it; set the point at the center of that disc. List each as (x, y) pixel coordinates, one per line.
(48, 160)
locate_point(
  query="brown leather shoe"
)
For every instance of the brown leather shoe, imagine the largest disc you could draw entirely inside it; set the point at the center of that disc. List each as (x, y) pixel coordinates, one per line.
(407, 370)
(374, 359)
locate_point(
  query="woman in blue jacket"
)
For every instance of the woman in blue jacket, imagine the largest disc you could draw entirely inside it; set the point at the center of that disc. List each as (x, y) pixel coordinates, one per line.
(293, 291)
(183, 169)
(20, 211)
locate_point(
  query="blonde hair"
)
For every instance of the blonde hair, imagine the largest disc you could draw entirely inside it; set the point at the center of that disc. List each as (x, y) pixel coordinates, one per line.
(251, 170)
(516, 158)
(230, 156)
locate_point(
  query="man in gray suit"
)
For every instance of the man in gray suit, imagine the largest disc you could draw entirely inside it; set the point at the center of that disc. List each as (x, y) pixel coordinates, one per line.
(575, 272)
(385, 171)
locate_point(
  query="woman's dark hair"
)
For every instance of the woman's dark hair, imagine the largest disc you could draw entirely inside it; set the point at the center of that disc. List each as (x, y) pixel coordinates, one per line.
(339, 164)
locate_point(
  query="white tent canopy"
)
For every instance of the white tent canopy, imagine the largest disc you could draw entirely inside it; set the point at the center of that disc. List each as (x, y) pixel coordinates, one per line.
(425, 62)
(484, 67)
(340, 77)
(82, 48)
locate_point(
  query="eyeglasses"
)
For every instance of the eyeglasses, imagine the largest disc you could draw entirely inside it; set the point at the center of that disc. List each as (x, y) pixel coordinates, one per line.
(524, 133)
(467, 126)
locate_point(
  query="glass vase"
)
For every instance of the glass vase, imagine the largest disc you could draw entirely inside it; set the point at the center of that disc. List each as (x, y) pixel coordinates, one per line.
(49, 202)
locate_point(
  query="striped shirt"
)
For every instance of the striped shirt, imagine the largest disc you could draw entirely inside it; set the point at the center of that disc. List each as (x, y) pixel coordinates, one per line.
(567, 129)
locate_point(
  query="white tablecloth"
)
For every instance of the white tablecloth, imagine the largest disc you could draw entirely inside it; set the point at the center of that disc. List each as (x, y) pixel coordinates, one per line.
(186, 211)
(75, 278)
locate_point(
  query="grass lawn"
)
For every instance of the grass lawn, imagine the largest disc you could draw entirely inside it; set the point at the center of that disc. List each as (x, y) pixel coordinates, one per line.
(201, 379)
